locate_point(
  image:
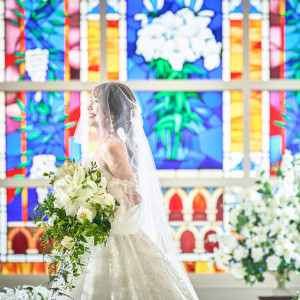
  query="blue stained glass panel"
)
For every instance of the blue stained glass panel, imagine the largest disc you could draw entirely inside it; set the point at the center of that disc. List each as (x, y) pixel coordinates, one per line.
(168, 40)
(186, 139)
(293, 121)
(291, 39)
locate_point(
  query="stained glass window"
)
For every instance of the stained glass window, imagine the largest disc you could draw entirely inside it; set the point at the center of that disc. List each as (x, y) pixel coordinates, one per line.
(179, 126)
(42, 40)
(189, 48)
(207, 75)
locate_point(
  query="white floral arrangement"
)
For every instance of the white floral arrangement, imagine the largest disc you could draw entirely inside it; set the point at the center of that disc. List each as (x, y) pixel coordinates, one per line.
(27, 292)
(79, 213)
(265, 225)
(178, 38)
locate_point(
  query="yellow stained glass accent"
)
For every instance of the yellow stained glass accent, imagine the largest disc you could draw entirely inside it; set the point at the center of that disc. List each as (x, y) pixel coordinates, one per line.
(236, 49)
(202, 267)
(18, 268)
(93, 50)
(255, 121)
(236, 121)
(255, 49)
(113, 50)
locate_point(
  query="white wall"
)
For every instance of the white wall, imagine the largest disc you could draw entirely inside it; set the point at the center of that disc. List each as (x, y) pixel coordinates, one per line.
(208, 286)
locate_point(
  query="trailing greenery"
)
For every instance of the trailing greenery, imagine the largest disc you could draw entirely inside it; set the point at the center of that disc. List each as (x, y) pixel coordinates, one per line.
(79, 213)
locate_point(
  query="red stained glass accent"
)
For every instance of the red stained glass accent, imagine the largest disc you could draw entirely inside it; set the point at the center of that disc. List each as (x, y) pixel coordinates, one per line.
(20, 243)
(175, 207)
(187, 242)
(219, 216)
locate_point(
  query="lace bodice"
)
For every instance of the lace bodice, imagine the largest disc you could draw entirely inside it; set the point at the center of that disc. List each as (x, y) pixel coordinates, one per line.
(126, 192)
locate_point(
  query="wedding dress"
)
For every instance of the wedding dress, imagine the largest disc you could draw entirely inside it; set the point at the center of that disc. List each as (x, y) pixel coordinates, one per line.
(131, 266)
(140, 260)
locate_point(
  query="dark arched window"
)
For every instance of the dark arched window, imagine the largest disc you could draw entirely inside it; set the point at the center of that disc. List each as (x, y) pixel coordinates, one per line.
(19, 243)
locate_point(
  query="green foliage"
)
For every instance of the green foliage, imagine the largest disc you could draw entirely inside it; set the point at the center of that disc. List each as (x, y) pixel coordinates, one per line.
(70, 260)
(174, 113)
(173, 109)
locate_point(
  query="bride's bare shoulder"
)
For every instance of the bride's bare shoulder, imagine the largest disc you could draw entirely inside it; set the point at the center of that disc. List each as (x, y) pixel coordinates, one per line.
(114, 148)
(116, 158)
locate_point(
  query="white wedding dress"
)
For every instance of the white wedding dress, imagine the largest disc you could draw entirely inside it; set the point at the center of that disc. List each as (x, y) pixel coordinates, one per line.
(131, 266)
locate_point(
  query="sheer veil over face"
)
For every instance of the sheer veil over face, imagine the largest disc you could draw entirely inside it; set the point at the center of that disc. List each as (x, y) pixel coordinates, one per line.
(116, 114)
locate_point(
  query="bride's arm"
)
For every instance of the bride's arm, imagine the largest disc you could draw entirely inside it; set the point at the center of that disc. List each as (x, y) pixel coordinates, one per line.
(116, 159)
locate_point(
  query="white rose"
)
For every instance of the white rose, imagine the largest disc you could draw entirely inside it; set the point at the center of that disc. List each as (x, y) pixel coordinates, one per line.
(273, 262)
(84, 212)
(231, 242)
(51, 220)
(239, 253)
(68, 242)
(238, 271)
(257, 254)
(79, 175)
(98, 199)
(109, 199)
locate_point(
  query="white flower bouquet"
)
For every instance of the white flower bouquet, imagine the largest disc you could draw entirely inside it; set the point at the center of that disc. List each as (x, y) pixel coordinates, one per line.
(79, 209)
(179, 39)
(28, 292)
(265, 225)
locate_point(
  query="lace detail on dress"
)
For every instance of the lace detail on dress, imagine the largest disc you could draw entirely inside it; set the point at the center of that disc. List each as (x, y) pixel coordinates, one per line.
(131, 266)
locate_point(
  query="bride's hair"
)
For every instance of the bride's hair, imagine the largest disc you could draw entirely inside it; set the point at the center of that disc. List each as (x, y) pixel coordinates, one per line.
(118, 100)
(112, 91)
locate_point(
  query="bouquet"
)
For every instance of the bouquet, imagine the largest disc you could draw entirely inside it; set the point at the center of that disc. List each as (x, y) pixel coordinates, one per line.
(79, 212)
(265, 225)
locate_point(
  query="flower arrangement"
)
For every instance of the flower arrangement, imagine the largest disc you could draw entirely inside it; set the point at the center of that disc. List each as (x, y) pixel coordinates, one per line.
(265, 227)
(27, 292)
(79, 212)
(297, 297)
(179, 38)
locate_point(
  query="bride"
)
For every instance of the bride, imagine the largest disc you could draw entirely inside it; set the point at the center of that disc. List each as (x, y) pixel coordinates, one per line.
(139, 261)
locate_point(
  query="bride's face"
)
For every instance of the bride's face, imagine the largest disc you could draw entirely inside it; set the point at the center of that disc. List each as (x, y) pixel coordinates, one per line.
(93, 112)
